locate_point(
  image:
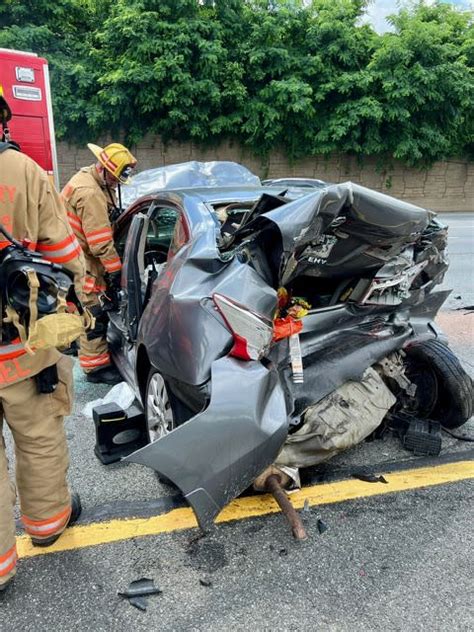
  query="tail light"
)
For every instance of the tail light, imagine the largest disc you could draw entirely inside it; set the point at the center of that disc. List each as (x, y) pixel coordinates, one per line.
(252, 334)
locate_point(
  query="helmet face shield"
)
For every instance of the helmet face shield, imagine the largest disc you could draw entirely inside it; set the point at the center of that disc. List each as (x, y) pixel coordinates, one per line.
(126, 173)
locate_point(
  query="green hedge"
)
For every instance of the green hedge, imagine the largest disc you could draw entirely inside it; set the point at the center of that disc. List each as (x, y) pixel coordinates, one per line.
(309, 80)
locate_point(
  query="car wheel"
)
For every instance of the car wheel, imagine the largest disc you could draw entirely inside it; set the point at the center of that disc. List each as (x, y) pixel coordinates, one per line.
(158, 411)
(444, 389)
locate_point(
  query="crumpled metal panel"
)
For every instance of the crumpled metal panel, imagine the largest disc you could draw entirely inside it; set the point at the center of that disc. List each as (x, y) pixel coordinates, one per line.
(369, 218)
(182, 331)
(218, 453)
(188, 175)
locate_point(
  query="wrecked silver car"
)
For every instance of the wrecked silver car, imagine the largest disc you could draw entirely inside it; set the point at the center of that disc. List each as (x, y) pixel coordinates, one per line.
(257, 319)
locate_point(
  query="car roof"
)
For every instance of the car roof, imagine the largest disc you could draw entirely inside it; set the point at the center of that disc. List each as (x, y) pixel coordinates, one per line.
(221, 195)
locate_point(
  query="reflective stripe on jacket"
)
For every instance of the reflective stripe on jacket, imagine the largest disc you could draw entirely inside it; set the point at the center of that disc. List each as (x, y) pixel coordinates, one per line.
(88, 203)
(34, 214)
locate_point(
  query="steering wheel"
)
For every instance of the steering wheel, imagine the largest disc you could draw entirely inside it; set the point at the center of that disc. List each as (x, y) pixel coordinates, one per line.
(154, 257)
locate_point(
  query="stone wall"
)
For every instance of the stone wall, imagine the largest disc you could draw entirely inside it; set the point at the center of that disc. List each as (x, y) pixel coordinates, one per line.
(447, 186)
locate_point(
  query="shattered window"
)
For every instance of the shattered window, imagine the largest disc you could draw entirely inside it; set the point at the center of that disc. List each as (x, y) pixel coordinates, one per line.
(161, 229)
(231, 215)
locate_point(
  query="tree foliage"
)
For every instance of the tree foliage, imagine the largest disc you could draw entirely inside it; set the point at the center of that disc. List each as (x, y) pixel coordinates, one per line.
(308, 78)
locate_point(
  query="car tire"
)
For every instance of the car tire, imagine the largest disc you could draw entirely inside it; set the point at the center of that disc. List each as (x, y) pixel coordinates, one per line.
(158, 410)
(446, 388)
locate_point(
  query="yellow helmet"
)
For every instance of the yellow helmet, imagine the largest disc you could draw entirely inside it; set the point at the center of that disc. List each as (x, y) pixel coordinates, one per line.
(116, 159)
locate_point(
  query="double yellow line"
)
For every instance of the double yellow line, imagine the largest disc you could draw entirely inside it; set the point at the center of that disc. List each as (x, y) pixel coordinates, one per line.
(247, 507)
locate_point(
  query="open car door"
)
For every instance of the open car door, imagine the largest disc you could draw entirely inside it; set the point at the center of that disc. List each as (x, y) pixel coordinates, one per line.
(132, 274)
(146, 251)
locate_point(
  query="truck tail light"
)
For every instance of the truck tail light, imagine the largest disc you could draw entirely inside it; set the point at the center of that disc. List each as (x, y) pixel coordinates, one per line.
(252, 333)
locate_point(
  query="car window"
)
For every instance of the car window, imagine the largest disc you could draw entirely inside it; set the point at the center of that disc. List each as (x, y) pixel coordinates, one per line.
(120, 237)
(161, 229)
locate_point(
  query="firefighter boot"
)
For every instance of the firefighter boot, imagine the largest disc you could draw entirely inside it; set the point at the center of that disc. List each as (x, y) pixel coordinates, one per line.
(76, 509)
(106, 375)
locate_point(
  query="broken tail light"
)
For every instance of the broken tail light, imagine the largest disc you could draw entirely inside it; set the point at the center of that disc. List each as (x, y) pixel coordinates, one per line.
(252, 334)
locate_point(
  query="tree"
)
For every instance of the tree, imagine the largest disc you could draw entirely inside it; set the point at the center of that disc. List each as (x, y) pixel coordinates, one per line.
(308, 78)
(424, 83)
(164, 68)
(60, 31)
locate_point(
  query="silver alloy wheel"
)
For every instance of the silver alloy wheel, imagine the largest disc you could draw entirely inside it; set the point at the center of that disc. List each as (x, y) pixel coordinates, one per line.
(159, 415)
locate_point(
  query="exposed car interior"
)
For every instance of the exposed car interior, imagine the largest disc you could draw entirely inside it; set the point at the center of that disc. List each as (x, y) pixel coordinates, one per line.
(154, 245)
(341, 261)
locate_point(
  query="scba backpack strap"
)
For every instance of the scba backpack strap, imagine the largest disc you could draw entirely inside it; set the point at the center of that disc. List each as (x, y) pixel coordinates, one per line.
(57, 330)
(8, 145)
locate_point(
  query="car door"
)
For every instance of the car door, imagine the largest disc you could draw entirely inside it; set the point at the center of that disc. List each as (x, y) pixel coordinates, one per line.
(152, 240)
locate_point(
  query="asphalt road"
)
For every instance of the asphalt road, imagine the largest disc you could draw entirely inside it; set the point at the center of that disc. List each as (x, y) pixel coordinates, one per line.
(399, 561)
(461, 252)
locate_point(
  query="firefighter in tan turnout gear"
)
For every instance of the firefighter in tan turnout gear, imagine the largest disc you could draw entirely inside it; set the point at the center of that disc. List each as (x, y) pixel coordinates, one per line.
(35, 386)
(90, 202)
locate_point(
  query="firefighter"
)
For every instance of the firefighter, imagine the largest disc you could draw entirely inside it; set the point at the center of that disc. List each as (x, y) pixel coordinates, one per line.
(35, 389)
(90, 203)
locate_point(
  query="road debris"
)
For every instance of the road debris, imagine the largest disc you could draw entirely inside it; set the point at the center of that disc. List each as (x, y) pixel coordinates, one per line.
(205, 582)
(274, 486)
(369, 478)
(322, 526)
(138, 590)
(273, 480)
(138, 602)
(423, 437)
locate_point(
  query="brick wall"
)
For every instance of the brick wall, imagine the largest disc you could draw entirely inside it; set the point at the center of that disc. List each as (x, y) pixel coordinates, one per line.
(447, 186)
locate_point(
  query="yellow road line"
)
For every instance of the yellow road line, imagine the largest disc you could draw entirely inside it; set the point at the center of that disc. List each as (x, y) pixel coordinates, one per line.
(183, 518)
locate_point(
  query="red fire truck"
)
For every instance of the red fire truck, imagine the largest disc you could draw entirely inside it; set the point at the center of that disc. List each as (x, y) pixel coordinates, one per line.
(25, 81)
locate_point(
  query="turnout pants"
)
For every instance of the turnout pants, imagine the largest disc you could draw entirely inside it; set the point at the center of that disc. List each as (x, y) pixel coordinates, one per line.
(36, 424)
(94, 351)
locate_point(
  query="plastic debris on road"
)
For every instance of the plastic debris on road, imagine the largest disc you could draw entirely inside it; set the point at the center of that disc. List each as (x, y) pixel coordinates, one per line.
(369, 478)
(120, 394)
(138, 590)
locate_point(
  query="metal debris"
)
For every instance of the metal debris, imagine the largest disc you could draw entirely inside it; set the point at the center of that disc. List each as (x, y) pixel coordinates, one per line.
(138, 590)
(306, 508)
(205, 582)
(322, 526)
(274, 487)
(369, 478)
(139, 602)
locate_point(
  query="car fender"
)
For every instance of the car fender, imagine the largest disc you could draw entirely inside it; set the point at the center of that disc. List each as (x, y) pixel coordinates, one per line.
(219, 452)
